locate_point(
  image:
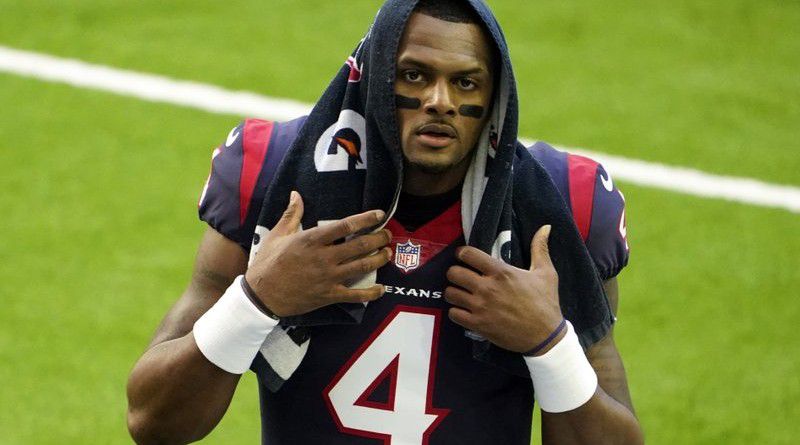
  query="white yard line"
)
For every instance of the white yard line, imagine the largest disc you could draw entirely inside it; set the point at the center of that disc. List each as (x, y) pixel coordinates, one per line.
(218, 100)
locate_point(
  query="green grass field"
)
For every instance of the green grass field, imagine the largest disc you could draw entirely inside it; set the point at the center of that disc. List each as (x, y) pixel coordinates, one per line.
(99, 193)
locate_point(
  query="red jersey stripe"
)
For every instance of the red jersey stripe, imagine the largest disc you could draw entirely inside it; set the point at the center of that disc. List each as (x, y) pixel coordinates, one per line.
(582, 176)
(433, 237)
(444, 229)
(255, 142)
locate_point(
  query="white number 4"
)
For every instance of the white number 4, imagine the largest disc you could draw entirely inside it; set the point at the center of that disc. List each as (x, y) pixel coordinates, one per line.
(403, 349)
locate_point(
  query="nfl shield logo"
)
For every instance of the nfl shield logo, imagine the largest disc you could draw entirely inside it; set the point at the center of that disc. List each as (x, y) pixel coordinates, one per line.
(406, 255)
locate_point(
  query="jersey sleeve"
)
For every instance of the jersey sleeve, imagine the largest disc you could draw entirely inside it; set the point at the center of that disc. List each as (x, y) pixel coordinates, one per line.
(598, 208)
(241, 169)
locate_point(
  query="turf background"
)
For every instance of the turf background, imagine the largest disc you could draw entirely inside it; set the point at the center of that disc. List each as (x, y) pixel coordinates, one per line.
(100, 192)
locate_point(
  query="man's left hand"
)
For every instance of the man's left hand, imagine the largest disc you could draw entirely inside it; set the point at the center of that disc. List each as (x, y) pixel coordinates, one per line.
(516, 309)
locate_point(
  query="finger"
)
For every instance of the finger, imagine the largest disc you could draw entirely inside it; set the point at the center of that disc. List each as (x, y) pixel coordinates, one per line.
(540, 251)
(479, 259)
(463, 277)
(364, 265)
(459, 297)
(290, 220)
(462, 317)
(361, 245)
(343, 294)
(348, 226)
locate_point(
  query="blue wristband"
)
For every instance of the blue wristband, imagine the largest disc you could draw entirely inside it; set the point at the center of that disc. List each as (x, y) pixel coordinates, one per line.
(547, 340)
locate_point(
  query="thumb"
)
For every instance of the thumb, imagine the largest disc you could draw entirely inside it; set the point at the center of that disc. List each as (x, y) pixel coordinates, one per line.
(290, 220)
(540, 252)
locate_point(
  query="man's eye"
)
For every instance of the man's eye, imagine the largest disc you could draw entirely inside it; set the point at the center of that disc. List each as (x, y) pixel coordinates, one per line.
(466, 84)
(412, 76)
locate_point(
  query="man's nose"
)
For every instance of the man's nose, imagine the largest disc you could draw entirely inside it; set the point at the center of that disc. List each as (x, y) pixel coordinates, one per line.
(440, 100)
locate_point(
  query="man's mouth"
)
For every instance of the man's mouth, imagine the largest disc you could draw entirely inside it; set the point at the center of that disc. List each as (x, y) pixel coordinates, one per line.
(436, 135)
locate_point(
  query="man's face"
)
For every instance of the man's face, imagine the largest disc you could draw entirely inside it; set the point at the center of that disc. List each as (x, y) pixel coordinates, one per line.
(444, 93)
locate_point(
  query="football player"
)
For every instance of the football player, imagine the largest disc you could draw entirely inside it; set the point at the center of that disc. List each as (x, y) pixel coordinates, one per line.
(405, 374)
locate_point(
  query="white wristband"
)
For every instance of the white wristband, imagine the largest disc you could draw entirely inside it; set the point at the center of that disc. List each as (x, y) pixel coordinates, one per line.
(230, 333)
(562, 377)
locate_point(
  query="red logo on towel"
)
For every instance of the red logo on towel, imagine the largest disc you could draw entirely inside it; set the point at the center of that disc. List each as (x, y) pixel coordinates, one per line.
(355, 70)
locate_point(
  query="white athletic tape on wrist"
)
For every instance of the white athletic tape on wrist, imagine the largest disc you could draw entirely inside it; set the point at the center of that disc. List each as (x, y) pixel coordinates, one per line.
(230, 333)
(562, 377)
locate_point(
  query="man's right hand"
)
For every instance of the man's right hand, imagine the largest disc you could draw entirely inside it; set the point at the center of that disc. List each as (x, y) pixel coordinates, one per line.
(295, 272)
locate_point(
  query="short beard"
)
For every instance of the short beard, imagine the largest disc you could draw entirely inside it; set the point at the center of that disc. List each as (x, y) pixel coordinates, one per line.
(429, 169)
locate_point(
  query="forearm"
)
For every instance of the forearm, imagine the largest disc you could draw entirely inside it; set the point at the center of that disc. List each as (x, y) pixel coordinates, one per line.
(601, 420)
(576, 409)
(175, 395)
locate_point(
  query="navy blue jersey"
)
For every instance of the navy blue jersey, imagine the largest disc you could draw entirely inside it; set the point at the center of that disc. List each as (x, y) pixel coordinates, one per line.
(406, 373)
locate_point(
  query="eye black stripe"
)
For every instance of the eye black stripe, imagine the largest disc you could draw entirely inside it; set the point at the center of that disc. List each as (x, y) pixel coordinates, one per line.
(475, 111)
(410, 103)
